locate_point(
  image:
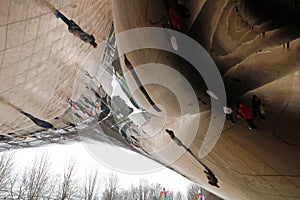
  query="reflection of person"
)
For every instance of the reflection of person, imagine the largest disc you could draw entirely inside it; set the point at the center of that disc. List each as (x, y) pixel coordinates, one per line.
(76, 30)
(173, 21)
(175, 139)
(228, 111)
(37, 121)
(256, 106)
(164, 195)
(244, 112)
(76, 105)
(212, 180)
(200, 197)
(182, 9)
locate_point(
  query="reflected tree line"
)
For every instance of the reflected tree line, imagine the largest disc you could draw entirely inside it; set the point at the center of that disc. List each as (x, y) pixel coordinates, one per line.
(37, 181)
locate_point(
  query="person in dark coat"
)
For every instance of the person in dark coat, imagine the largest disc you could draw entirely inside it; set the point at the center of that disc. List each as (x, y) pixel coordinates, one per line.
(175, 139)
(182, 9)
(37, 121)
(212, 179)
(244, 112)
(76, 30)
(256, 106)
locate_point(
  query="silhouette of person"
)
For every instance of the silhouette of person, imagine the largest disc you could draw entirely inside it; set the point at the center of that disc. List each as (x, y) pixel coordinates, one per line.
(182, 9)
(37, 121)
(236, 9)
(256, 106)
(175, 139)
(212, 180)
(76, 30)
(171, 133)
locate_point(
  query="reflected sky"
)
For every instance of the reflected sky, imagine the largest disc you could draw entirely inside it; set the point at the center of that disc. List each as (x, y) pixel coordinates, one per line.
(60, 154)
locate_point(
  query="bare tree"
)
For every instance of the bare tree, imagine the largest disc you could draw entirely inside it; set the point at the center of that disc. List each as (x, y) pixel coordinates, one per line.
(171, 195)
(155, 189)
(91, 185)
(111, 187)
(34, 183)
(16, 186)
(53, 185)
(192, 191)
(144, 190)
(39, 178)
(37, 183)
(129, 194)
(6, 167)
(68, 188)
(133, 193)
(179, 196)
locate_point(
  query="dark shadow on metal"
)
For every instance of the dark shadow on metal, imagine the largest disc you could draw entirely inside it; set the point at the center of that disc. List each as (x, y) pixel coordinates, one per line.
(212, 180)
(139, 83)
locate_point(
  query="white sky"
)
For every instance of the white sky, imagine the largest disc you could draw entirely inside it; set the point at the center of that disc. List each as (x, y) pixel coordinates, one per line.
(60, 154)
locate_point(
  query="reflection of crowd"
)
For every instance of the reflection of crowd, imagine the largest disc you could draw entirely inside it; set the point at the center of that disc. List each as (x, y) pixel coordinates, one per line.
(244, 113)
(94, 104)
(113, 111)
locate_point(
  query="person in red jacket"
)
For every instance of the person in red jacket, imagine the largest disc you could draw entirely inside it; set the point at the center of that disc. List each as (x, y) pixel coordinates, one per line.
(174, 19)
(244, 112)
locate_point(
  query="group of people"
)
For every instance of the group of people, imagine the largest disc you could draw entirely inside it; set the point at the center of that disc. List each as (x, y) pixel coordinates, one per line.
(244, 113)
